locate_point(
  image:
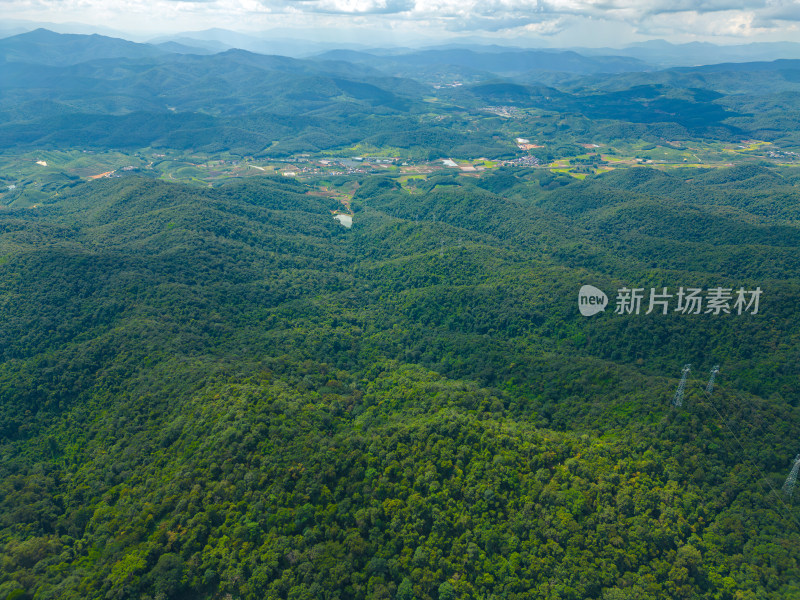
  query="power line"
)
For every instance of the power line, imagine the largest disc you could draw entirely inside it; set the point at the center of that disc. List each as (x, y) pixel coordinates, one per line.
(756, 427)
(744, 458)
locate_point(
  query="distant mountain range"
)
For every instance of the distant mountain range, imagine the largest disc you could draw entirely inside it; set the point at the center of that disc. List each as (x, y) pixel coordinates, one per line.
(45, 47)
(507, 62)
(42, 46)
(98, 74)
(655, 54)
(267, 42)
(662, 54)
(63, 89)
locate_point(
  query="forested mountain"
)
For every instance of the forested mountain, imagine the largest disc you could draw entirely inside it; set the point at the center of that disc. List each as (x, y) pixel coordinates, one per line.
(44, 47)
(215, 389)
(96, 92)
(211, 392)
(665, 54)
(506, 63)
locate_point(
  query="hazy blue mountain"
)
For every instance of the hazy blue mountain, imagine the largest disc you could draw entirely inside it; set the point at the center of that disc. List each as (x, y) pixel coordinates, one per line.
(783, 64)
(231, 100)
(503, 62)
(213, 39)
(210, 45)
(8, 31)
(179, 48)
(757, 78)
(10, 27)
(46, 47)
(233, 82)
(666, 54)
(267, 42)
(347, 96)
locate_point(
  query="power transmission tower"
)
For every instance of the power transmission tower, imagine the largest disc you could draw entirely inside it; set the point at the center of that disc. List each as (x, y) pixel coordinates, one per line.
(710, 386)
(678, 399)
(788, 487)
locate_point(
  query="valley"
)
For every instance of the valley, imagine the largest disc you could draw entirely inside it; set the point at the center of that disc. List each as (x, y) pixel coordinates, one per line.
(26, 182)
(311, 328)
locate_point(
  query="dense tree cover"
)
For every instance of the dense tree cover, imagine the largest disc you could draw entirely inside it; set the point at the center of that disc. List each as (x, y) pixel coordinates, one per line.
(222, 392)
(67, 92)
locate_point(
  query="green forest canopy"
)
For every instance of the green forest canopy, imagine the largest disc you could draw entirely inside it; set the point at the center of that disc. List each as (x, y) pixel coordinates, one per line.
(211, 392)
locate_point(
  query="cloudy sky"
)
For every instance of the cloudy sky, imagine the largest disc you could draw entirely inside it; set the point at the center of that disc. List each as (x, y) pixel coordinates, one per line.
(531, 22)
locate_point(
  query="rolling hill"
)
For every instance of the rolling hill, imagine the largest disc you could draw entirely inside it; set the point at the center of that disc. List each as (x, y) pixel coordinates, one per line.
(222, 391)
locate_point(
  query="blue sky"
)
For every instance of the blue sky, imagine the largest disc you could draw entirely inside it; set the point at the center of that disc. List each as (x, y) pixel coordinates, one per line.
(543, 23)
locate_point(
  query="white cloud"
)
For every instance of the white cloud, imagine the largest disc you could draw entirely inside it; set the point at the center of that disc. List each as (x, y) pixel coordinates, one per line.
(700, 19)
(357, 7)
(724, 24)
(778, 11)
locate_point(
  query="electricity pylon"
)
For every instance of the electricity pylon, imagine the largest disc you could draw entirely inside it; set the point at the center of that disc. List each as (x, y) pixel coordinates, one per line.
(710, 386)
(678, 399)
(788, 487)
